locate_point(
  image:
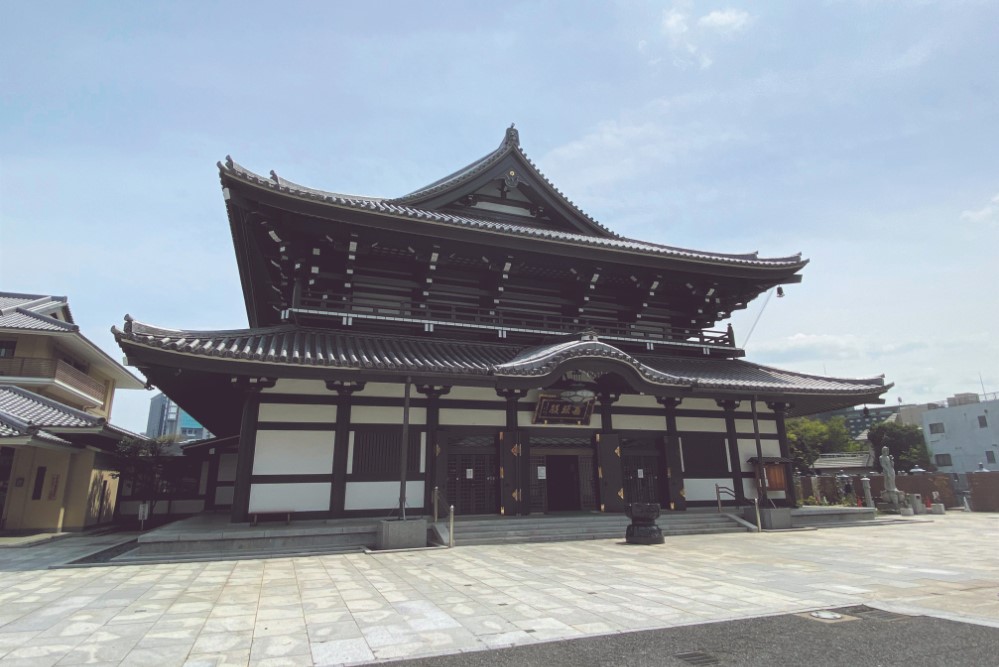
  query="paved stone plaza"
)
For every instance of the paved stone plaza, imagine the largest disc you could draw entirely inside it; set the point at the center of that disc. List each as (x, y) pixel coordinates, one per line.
(335, 609)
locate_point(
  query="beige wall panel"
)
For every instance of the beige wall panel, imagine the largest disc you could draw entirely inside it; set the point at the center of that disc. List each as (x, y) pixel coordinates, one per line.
(290, 497)
(638, 401)
(293, 453)
(767, 427)
(374, 414)
(700, 404)
(274, 412)
(639, 422)
(473, 394)
(227, 467)
(704, 489)
(458, 417)
(702, 424)
(747, 450)
(387, 390)
(223, 495)
(310, 387)
(382, 495)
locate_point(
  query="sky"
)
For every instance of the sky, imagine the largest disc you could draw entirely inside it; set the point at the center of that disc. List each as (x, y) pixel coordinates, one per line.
(862, 134)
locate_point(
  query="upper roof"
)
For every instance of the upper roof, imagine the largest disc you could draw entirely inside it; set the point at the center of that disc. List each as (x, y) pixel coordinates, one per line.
(36, 314)
(433, 204)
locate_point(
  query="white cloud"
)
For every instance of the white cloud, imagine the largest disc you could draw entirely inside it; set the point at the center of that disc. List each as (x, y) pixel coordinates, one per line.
(686, 35)
(988, 213)
(726, 21)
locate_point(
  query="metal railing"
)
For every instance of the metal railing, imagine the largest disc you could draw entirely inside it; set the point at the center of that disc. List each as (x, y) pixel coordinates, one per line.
(719, 490)
(437, 498)
(56, 369)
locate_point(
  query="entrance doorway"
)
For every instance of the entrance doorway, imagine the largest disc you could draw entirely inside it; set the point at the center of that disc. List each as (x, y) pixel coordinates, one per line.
(563, 483)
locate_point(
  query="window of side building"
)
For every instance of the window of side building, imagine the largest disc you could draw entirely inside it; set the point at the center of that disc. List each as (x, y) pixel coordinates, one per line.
(7, 348)
(983, 421)
(990, 456)
(936, 428)
(942, 460)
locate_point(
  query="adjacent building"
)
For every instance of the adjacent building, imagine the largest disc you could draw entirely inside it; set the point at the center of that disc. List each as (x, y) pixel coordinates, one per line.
(57, 466)
(484, 339)
(964, 434)
(167, 419)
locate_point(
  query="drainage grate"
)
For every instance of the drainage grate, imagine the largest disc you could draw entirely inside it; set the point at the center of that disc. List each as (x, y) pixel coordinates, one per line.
(698, 658)
(870, 613)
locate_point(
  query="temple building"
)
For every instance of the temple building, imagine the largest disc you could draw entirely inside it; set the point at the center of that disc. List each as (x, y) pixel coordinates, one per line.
(528, 358)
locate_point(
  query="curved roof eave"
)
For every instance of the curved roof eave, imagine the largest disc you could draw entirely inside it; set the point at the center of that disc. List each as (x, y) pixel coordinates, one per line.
(232, 169)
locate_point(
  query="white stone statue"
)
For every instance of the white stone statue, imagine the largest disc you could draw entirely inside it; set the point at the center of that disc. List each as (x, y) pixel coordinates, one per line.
(888, 467)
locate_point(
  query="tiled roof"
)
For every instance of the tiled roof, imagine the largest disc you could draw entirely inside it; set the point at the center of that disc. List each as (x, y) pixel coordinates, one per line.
(31, 409)
(299, 346)
(13, 427)
(387, 207)
(28, 311)
(836, 461)
(510, 144)
(42, 411)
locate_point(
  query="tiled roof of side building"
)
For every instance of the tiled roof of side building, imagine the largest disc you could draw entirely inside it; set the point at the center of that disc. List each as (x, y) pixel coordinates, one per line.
(237, 171)
(28, 311)
(44, 412)
(13, 427)
(293, 345)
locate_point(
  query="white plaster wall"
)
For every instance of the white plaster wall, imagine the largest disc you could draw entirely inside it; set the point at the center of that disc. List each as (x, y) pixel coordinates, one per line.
(700, 404)
(278, 412)
(747, 450)
(223, 495)
(704, 489)
(639, 401)
(746, 426)
(374, 414)
(703, 424)
(311, 387)
(473, 394)
(381, 495)
(187, 506)
(298, 497)
(458, 417)
(639, 422)
(749, 488)
(227, 467)
(203, 481)
(293, 453)
(388, 390)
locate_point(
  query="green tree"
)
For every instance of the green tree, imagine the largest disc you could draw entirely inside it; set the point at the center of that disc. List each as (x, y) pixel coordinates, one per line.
(149, 466)
(807, 438)
(904, 442)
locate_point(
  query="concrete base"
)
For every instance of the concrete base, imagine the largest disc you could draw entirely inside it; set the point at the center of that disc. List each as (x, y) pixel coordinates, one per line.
(771, 518)
(906, 511)
(408, 534)
(937, 508)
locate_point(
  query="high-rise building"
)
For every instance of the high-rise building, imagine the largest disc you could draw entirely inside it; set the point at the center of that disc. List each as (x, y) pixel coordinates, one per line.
(167, 418)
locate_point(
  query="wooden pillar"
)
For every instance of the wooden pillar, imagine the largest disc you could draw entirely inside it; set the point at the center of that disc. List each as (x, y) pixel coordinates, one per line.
(607, 400)
(341, 438)
(735, 465)
(436, 460)
(673, 493)
(251, 387)
(213, 478)
(780, 411)
(514, 459)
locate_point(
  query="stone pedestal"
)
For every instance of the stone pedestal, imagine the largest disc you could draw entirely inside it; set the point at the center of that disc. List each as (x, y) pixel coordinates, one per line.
(408, 534)
(905, 511)
(771, 518)
(643, 528)
(937, 508)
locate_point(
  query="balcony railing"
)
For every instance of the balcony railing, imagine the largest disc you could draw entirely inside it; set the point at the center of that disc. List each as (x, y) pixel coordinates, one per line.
(57, 370)
(513, 320)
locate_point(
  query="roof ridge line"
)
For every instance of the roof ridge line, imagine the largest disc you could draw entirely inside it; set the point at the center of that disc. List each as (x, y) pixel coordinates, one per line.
(56, 405)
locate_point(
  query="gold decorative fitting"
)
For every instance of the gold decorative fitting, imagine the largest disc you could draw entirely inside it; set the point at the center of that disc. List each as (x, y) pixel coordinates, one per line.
(600, 472)
(617, 450)
(501, 472)
(620, 494)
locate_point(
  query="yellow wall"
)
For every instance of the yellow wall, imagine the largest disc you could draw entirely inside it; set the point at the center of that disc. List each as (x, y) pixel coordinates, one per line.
(88, 501)
(21, 511)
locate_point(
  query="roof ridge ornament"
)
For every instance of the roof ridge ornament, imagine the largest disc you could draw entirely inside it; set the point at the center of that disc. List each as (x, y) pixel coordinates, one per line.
(512, 137)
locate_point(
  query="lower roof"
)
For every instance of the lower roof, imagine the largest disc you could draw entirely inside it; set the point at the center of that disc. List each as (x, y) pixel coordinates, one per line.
(295, 351)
